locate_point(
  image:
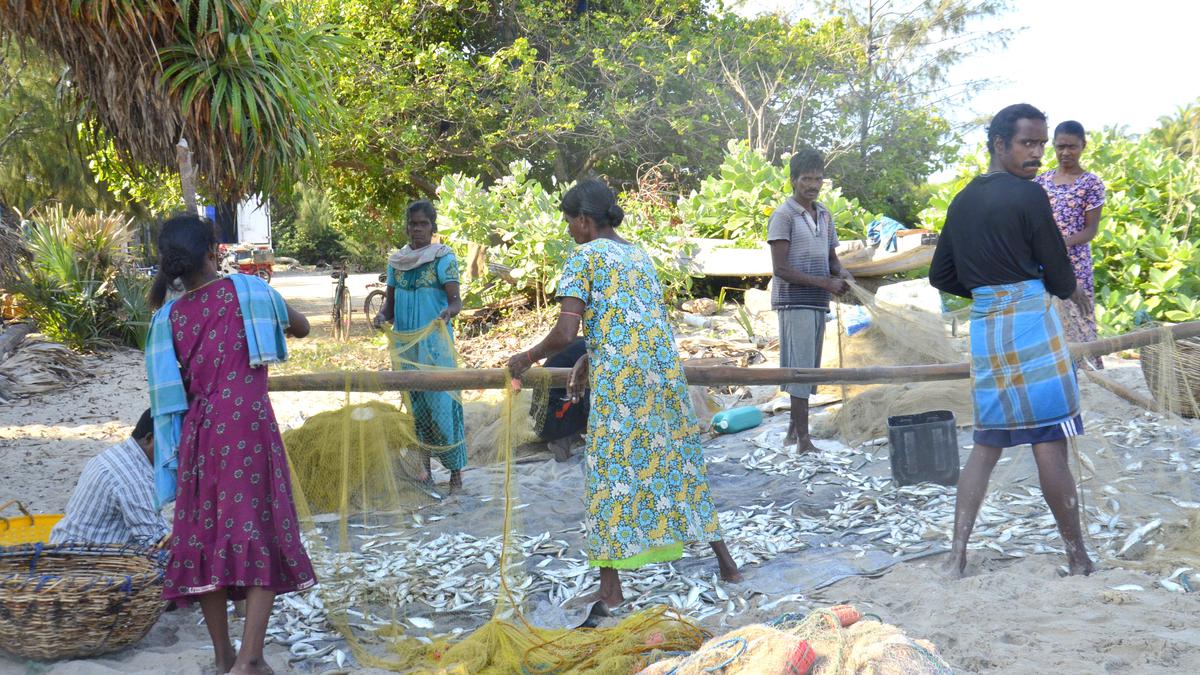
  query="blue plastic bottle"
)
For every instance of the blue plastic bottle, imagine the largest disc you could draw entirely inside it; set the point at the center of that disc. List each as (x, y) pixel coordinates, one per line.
(737, 419)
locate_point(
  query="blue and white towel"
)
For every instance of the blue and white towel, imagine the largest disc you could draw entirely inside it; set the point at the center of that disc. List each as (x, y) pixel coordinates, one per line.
(265, 316)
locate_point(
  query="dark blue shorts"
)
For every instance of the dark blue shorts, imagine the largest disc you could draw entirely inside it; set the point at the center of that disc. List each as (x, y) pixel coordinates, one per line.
(1007, 438)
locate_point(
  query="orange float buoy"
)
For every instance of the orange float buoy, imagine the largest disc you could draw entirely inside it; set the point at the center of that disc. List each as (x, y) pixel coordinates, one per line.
(802, 659)
(846, 614)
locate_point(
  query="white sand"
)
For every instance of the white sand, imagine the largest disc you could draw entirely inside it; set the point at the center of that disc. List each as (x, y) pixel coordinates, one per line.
(1009, 617)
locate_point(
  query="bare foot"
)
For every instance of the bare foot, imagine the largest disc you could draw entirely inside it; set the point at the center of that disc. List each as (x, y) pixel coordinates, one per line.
(732, 576)
(255, 667)
(225, 659)
(455, 481)
(805, 445)
(1081, 565)
(610, 601)
(560, 448)
(956, 565)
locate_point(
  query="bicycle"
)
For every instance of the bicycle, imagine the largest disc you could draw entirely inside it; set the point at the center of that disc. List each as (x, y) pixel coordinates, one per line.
(375, 299)
(339, 324)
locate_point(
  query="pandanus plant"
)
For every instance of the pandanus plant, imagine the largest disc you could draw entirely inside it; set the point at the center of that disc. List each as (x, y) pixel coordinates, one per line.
(243, 82)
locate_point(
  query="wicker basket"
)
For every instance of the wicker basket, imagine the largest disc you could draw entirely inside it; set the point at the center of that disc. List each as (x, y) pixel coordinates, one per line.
(75, 601)
(26, 528)
(1183, 398)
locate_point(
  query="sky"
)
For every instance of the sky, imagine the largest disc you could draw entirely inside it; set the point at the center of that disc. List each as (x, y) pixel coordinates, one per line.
(1101, 62)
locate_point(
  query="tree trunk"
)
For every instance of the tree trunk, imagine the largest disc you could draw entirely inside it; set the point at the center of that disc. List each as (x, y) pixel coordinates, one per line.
(423, 184)
(187, 175)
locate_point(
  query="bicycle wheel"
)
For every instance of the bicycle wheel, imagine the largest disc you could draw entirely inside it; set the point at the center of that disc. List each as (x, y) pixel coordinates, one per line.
(372, 306)
(337, 315)
(345, 318)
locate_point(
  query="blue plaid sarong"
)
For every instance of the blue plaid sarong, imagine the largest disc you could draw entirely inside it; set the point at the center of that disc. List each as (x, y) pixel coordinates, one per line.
(1020, 363)
(264, 315)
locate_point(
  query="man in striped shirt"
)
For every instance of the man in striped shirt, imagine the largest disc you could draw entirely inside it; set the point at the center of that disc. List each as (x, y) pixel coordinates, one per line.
(113, 502)
(806, 272)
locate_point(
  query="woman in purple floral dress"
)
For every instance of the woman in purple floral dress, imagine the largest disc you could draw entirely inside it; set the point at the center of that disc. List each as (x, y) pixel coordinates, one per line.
(1077, 197)
(235, 534)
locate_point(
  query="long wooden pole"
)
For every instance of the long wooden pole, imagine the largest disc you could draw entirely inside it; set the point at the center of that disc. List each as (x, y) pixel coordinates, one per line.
(452, 379)
(1122, 391)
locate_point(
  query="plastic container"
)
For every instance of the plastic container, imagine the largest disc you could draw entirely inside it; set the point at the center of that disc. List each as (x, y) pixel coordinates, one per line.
(737, 419)
(856, 319)
(924, 448)
(26, 528)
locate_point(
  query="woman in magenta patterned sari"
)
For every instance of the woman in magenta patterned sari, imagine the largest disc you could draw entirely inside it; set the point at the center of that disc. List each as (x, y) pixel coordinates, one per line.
(1077, 197)
(235, 534)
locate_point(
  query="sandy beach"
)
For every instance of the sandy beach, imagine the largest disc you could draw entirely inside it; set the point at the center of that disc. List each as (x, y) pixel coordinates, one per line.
(1011, 614)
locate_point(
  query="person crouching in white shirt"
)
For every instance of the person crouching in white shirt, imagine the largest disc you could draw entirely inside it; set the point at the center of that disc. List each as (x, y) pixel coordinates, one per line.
(113, 502)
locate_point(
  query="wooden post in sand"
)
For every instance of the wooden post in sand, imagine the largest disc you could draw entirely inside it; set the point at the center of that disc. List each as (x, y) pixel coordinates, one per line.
(497, 378)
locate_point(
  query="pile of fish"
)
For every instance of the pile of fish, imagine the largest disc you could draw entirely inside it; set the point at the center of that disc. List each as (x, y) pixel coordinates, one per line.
(448, 584)
(431, 581)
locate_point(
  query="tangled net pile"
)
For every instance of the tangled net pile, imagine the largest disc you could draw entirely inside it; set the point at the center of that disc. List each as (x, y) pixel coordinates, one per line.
(824, 642)
(899, 335)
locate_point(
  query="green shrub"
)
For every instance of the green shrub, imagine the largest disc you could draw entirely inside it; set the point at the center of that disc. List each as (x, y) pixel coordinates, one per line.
(308, 234)
(325, 246)
(1147, 252)
(518, 222)
(653, 224)
(74, 289)
(737, 202)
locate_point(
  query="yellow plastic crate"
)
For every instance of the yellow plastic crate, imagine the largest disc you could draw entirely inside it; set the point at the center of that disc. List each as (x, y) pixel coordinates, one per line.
(26, 528)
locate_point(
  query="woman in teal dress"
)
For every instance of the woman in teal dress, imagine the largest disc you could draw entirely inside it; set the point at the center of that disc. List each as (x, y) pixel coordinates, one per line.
(422, 280)
(646, 489)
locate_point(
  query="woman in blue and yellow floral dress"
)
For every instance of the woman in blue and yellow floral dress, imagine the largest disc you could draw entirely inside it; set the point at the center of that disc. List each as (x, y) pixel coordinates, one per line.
(423, 293)
(646, 489)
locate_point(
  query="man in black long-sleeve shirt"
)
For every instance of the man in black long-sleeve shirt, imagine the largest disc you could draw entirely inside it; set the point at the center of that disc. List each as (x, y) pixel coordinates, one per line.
(1000, 230)
(1001, 247)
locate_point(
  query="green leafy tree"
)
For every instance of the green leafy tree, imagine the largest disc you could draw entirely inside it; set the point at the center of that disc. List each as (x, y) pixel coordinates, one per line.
(441, 87)
(889, 136)
(41, 156)
(1180, 131)
(575, 89)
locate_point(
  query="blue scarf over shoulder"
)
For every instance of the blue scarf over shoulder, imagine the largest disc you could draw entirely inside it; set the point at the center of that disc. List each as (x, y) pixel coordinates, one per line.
(266, 319)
